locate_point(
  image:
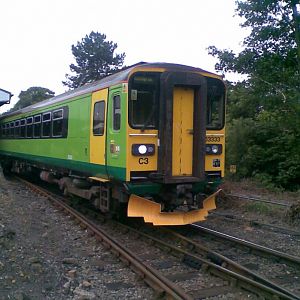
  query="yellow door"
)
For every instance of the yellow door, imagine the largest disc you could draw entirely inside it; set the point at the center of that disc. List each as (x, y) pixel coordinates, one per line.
(98, 126)
(183, 107)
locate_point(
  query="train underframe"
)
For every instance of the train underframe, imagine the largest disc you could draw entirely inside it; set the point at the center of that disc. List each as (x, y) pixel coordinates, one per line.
(159, 204)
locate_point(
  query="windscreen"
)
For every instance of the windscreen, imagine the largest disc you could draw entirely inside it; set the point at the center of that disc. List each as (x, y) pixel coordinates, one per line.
(143, 100)
(215, 104)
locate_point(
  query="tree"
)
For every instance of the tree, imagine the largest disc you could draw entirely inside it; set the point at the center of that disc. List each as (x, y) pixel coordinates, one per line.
(264, 110)
(32, 95)
(270, 54)
(95, 59)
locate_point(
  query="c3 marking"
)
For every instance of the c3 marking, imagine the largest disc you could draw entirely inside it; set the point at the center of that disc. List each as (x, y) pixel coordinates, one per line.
(143, 161)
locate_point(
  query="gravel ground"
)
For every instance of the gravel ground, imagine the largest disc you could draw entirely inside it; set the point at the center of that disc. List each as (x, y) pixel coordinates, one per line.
(285, 241)
(262, 213)
(44, 255)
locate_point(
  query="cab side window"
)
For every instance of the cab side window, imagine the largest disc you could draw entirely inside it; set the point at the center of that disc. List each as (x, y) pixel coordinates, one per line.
(117, 112)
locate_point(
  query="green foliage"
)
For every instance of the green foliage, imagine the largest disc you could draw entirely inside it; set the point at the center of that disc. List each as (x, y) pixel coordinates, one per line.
(31, 96)
(95, 59)
(239, 137)
(263, 112)
(266, 147)
(260, 207)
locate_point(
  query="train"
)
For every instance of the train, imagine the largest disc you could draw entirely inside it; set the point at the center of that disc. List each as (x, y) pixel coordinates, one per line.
(148, 141)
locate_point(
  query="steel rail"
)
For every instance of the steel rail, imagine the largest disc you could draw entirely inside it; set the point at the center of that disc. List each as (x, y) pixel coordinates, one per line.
(151, 276)
(252, 246)
(255, 223)
(257, 199)
(226, 269)
(227, 263)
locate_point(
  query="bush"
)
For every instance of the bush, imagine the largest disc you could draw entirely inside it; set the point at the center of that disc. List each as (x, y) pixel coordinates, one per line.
(266, 148)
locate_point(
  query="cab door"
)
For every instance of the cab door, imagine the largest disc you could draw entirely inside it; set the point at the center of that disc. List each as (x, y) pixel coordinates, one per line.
(116, 133)
(183, 115)
(98, 129)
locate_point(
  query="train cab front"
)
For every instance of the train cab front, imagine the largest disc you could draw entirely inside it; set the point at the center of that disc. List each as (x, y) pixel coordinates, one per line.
(166, 157)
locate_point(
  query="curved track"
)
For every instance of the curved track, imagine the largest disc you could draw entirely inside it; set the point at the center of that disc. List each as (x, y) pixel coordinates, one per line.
(172, 264)
(257, 199)
(252, 247)
(254, 223)
(149, 275)
(285, 268)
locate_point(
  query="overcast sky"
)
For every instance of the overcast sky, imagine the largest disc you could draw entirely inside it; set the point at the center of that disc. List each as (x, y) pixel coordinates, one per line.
(36, 35)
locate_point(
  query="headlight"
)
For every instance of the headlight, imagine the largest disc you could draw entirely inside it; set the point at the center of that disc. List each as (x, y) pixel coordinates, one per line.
(213, 149)
(143, 149)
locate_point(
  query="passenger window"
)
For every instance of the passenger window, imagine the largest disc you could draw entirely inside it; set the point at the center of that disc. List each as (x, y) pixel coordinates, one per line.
(7, 129)
(3, 130)
(99, 118)
(46, 124)
(37, 126)
(11, 129)
(29, 127)
(117, 112)
(57, 123)
(17, 128)
(22, 128)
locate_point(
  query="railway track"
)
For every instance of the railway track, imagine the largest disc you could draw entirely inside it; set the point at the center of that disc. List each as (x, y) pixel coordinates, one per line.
(153, 278)
(249, 246)
(255, 223)
(235, 272)
(285, 268)
(257, 199)
(186, 274)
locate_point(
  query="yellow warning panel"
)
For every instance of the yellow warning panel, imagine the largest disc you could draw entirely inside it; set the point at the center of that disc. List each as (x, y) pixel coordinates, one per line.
(151, 211)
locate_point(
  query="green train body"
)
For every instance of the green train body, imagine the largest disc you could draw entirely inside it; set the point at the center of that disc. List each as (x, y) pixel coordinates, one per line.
(70, 152)
(138, 132)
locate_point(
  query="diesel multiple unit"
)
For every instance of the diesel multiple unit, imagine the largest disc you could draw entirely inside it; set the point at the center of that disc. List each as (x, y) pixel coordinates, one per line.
(149, 139)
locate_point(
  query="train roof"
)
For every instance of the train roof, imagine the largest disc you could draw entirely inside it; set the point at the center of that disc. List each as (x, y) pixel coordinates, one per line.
(119, 77)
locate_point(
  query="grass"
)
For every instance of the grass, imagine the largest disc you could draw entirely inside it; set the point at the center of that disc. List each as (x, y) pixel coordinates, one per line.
(259, 207)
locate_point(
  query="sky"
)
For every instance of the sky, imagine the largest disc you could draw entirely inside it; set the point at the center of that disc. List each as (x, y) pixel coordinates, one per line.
(36, 35)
